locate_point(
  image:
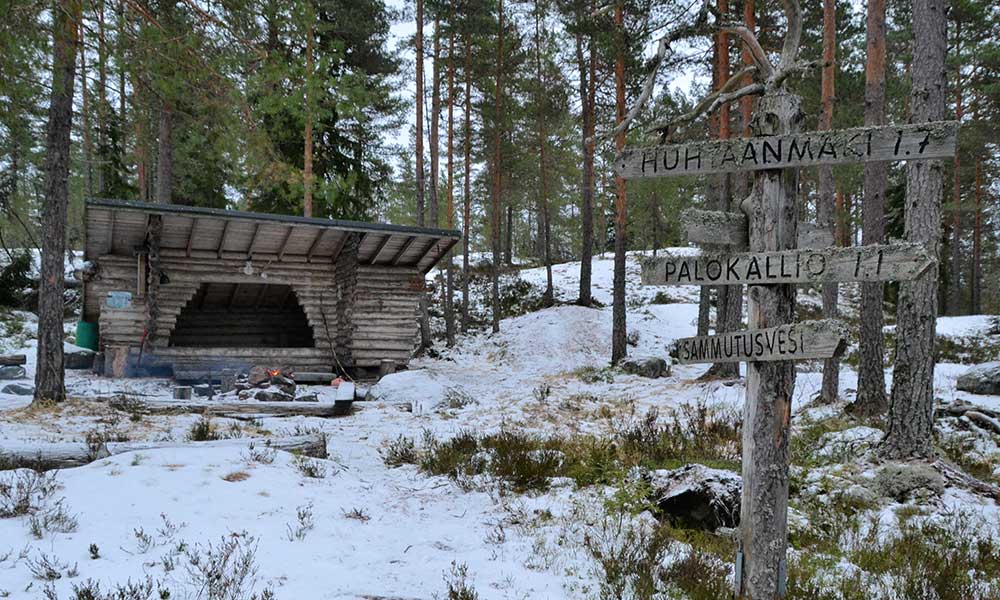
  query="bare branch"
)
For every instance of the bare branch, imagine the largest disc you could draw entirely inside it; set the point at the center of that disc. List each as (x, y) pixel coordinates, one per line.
(713, 101)
(798, 68)
(793, 36)
(695, 28)
(756, 51)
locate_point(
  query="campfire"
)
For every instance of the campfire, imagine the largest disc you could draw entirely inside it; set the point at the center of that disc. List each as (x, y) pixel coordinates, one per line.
(269, 384)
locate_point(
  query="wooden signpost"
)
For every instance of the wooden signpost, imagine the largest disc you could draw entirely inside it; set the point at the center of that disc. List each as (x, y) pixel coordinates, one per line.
(770, 252)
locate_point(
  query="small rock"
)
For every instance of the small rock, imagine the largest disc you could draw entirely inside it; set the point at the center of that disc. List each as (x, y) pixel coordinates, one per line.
(18, 389)
(12, 372)
(848, 444)
(258, 375)
(981, 379)
(274, 395)
(79, 359)
(204, 390)
(901, 481)
(308, 398)
(698, 497)
(652, 367)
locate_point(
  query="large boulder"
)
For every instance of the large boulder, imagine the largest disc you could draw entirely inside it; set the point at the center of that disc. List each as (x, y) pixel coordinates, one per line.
(78, 358)
(698, 497)
(981, 379)
(419, 388)
(905, 481)
(18, 389)
(652, 367)
(12, 372)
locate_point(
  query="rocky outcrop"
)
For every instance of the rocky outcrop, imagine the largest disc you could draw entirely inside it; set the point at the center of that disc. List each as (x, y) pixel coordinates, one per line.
(698, 497)
(652, 367)
(981, 379)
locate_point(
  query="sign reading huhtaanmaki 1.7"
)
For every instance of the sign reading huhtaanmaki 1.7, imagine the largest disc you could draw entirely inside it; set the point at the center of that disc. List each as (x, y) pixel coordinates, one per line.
(864, 144)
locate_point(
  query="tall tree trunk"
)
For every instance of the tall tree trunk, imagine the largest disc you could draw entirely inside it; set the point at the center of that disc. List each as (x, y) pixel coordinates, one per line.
(772, 210)
(619, 333)
(420, 112)
(120, 52)
(102, 102)
(588, 69)
(49, 375)
(449, 219)
(826, 213)
(497, 182)
(746, 102)
(955, 271)
(975, 304)
(911, 404)
(729, 309)
(508, 234)
(307, 169)
(425, 324)
(467, 175)
(165, 154)
(88, 148)
(871, 396)
(432, 212)
(544, 228)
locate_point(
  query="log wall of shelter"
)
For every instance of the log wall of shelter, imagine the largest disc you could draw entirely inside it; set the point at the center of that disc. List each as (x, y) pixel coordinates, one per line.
(237, 282)
(374, 318)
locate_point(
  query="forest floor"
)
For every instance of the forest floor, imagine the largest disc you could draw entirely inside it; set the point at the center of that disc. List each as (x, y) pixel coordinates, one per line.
(512, 466)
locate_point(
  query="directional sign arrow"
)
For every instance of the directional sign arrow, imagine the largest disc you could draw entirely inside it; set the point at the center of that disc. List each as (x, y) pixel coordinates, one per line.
(799, 341)
(894, 262)
(865, 144)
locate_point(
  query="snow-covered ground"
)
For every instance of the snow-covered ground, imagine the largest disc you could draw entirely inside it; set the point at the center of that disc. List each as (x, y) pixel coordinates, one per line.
(367, 530)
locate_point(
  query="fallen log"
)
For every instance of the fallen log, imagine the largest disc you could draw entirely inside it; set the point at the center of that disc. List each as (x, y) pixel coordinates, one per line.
(13, 360)
(65, 455)
(253, 407)
(957, 477)
(959, 409)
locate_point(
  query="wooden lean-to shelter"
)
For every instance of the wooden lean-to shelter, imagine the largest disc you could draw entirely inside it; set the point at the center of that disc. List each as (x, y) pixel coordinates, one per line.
(197, 290)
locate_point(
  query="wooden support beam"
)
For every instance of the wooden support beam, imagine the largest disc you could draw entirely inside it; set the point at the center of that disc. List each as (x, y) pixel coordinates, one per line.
(284, 242)
(222, 239)
(260, 296)
(426, 252)
(253, 240)
(339, 245)
(378, 250)
(402, 250)
(232, 296)
(190, 242)
(451, 244)
(315, 243)
(111, 232)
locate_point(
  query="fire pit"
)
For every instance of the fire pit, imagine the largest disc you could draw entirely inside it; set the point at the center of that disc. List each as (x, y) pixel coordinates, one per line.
(270, 384)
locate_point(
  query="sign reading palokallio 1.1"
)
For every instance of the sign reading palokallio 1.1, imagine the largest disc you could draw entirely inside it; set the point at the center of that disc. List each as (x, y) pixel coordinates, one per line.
(892, 262)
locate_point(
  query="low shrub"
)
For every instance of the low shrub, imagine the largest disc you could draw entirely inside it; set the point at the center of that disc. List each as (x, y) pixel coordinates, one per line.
(202, 430)
(400, 451)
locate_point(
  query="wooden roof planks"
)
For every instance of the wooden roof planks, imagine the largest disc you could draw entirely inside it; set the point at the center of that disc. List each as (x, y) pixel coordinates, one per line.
(864, 144)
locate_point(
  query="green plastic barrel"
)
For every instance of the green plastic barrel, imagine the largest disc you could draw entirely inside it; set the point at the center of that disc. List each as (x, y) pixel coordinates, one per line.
(86, 335)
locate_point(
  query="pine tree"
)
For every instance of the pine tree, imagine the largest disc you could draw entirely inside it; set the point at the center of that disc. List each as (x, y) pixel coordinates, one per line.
(50, 373)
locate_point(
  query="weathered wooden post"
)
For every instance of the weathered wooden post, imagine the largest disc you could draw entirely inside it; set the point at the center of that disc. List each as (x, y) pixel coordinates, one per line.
(772, 213)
